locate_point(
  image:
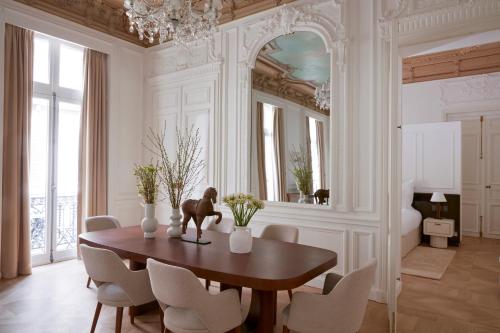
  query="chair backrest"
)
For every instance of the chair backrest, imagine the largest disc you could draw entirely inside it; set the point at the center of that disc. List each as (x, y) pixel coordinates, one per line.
(349, 298)
(225, 226)
(179, 287)
(104, 222)
(284, 233)
(105, 266)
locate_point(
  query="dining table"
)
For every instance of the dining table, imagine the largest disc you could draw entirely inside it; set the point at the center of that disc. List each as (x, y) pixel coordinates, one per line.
(271, 265)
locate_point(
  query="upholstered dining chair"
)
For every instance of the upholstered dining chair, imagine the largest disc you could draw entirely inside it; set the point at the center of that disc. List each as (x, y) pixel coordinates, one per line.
(97, 223)
(188, 307)
(340, 309)
(117, 285)
(283, 233)
(226, 226)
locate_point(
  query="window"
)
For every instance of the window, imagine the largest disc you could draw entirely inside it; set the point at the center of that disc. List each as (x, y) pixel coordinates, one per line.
(54, 147)
(315, 157)
(270, 153)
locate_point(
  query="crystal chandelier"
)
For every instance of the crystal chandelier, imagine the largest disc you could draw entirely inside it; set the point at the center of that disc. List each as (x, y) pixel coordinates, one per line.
(322, 96)
(175, 20)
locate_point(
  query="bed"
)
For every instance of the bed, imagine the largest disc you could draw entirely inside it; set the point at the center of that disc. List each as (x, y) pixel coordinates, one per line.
(411, 219)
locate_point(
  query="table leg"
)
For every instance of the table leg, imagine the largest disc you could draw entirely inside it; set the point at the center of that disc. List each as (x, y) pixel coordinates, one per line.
(141, 309)
(262, 314)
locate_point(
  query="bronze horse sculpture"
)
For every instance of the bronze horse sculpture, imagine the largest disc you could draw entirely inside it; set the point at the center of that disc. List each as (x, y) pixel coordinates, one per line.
(199, 209)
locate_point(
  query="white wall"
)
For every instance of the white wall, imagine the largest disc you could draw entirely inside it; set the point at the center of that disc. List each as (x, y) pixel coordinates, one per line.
(125, 98)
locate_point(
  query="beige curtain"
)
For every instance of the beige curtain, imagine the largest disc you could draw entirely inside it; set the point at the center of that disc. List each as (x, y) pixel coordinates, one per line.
(18, 91)
(261, 152)
(93, 170)
(279, 148)
(308, 145)
(320, 133)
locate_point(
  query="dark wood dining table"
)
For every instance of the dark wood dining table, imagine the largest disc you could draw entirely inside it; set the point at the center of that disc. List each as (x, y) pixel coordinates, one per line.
(269, 267)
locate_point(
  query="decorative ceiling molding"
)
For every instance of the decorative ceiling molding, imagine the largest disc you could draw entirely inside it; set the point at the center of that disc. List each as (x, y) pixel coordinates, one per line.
(272, 79)
(480, 59)
(108, 16)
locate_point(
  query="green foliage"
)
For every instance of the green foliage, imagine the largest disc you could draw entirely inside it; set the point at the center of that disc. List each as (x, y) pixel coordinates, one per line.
(147, 182)
(301, 169)
(243, 207)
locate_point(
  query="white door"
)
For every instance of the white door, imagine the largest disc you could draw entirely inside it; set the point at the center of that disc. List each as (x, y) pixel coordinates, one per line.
(472, 178)
(492, 184)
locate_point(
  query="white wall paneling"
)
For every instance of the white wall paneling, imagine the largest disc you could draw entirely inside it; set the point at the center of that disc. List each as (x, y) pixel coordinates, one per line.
(432, 157)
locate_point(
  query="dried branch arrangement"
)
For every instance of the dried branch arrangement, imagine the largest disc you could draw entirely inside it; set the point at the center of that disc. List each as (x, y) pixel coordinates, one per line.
(181, 174)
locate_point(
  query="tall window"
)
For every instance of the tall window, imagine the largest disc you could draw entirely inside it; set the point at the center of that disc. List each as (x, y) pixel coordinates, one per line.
(55, 128)
(315, 158)
(270, 153)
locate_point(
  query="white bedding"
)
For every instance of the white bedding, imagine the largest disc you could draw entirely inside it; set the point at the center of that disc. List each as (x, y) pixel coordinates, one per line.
(410, 220)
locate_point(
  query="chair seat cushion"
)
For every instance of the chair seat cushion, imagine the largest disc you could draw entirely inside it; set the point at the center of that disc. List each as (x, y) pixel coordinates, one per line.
(113, 295)
(181, 320)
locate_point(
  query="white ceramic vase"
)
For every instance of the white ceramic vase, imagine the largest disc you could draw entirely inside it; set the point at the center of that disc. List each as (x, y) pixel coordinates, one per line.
(175, 227)
(302, 198)
(240, 240)
(149, 223)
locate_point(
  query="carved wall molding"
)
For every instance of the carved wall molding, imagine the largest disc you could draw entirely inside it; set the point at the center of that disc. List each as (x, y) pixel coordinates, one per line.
(479, 59)
(413, 16)
(473, 89)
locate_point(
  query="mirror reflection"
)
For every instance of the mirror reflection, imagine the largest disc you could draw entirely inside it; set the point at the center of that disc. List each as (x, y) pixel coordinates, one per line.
(291, 120)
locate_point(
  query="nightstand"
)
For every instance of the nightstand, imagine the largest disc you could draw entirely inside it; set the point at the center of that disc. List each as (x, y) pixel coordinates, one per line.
(439, 230)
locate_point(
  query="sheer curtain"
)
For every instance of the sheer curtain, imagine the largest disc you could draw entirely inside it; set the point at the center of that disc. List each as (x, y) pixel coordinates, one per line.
(320, 133)
(15, 255)
(308, 145)
(261, 151)
(279, 148)
(93, 169)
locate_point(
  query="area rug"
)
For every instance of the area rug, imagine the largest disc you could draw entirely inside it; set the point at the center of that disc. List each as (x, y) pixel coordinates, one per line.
(427, 262)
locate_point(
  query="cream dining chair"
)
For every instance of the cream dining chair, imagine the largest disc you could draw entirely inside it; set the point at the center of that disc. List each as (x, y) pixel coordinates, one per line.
(188, 307)
(282, 233)
(340, 309)
(226, 226)
(117, 285)
(97, 223)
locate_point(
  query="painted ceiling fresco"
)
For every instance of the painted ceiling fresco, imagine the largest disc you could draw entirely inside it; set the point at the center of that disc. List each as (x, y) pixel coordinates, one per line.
(302, 55)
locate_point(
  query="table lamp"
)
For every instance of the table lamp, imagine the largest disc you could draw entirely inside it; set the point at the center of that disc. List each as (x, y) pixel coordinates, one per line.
(438, 198)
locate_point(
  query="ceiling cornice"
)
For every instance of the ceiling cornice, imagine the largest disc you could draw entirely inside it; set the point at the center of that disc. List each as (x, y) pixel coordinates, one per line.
(108, 16)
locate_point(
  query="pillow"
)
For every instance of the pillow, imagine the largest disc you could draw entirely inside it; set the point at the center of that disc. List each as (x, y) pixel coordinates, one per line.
(407, 194)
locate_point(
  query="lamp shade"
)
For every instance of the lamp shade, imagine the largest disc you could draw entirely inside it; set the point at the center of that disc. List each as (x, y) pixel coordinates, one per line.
(438, 197)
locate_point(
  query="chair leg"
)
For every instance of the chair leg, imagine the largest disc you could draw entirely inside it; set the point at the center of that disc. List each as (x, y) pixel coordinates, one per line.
(119, 316)
(207, 284)
(290, 294)
(96, 317)
(88, 282)
(163, 329)
(131, 313)
(285, 329)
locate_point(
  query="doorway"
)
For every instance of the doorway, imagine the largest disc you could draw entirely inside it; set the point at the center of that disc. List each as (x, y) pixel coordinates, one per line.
(54, 148)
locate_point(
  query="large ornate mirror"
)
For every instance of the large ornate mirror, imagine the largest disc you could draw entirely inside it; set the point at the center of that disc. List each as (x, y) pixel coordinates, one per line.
(291, 120)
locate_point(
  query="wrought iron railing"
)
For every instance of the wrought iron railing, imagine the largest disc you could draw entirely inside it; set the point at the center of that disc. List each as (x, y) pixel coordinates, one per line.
(65, 223)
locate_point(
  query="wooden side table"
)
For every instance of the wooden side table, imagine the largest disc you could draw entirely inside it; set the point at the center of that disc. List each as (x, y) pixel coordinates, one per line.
(439, 230)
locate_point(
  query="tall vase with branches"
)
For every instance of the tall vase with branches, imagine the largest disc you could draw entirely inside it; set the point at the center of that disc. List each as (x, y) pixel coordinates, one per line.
(302, 171)
(179, 174)
(147, 186)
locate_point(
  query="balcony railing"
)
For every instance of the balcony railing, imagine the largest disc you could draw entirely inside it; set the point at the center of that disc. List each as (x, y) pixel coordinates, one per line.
(65, 223)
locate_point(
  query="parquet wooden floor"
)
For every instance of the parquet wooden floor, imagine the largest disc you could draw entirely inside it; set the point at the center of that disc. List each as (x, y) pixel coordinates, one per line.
(467, 299)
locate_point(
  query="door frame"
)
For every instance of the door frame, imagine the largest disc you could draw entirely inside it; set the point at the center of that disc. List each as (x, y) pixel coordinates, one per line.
(402, 33)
